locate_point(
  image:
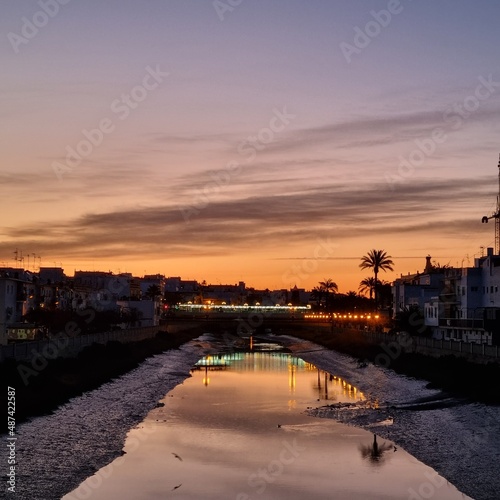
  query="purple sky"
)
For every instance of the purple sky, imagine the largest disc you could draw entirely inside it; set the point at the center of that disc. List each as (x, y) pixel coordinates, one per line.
(280, 124)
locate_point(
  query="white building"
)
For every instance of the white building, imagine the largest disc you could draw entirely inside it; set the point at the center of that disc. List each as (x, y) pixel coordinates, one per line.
(468, 304)
(8, 306)
(143, 312)
(417, 289)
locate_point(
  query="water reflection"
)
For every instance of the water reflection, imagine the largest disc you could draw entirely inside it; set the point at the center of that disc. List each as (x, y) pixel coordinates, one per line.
(237, 429)
(375, 452)
(327, 386)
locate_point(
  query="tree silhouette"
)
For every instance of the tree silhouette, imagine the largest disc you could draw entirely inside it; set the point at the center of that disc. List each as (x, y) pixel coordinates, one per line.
(317, 294)
(153, 291)
(411, 319)
(328, 286)
(374, 452)
(367, 285)
(378, 260)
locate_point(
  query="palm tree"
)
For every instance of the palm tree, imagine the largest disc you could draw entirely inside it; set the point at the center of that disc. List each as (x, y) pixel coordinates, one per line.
(368, 285)
(328, 286)
(317, 294)
(153, 291)
(384, 289)
(378, 260)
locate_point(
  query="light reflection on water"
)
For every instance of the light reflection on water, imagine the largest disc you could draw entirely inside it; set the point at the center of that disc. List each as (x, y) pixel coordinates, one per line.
(237, 430)
(326, 386)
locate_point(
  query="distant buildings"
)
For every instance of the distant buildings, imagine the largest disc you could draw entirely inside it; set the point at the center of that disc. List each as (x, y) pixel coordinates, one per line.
(23, 292)
(457, 303)
(224, 294)
(135, 301)
(416, 289)
(8, 305)
(16, 294)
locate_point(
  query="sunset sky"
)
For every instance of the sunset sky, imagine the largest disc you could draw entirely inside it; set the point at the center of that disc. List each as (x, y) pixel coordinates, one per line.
(269, 141)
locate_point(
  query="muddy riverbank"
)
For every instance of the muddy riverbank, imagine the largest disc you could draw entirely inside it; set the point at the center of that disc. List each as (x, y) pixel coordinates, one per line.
(40, 391)
(448, 373)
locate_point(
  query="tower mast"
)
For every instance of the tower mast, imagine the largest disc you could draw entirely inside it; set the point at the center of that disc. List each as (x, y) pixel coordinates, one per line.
(496, 215)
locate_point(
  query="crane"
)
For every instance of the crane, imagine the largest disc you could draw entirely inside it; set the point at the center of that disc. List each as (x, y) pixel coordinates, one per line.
(496, 215)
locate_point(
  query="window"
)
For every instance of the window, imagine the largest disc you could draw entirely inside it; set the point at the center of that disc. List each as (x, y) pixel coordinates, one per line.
(474, 288)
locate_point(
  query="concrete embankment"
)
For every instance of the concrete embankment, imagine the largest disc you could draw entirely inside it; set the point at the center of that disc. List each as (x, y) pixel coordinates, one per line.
(65, 346)
(42, 383)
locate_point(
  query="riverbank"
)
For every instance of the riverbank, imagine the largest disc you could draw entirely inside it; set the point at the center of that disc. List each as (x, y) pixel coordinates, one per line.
(41, 392)
(448, 373)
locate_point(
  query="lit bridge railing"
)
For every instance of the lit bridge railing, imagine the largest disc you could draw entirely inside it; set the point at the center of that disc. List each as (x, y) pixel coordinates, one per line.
(227, 308)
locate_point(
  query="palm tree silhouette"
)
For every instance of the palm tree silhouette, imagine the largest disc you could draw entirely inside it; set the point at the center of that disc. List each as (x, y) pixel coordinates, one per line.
(329, 287)
(153, 291)
(378, 260)
(367, 285)
(317, 293)
(374, 452)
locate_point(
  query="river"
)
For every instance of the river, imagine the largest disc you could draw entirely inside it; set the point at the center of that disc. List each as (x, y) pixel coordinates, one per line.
(244, 425)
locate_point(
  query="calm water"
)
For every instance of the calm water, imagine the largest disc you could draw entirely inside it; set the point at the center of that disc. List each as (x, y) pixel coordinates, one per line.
(237, 430)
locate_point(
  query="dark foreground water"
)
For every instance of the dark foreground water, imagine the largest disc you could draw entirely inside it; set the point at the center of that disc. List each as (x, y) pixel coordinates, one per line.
(238, 428)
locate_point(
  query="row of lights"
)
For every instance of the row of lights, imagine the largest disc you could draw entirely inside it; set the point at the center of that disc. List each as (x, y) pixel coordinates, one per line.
(341, 316)
(212, 305)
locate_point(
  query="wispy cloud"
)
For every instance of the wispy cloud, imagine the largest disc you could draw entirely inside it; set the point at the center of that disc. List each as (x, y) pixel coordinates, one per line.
(378, 131)
(231, 226)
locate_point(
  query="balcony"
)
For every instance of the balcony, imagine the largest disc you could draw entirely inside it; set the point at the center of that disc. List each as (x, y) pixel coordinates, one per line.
(462, 323)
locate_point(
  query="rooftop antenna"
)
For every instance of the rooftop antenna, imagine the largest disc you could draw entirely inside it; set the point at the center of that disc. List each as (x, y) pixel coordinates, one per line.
(496, 215)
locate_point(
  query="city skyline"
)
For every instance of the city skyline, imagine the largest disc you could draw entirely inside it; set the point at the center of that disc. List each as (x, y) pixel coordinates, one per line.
(270, 142)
